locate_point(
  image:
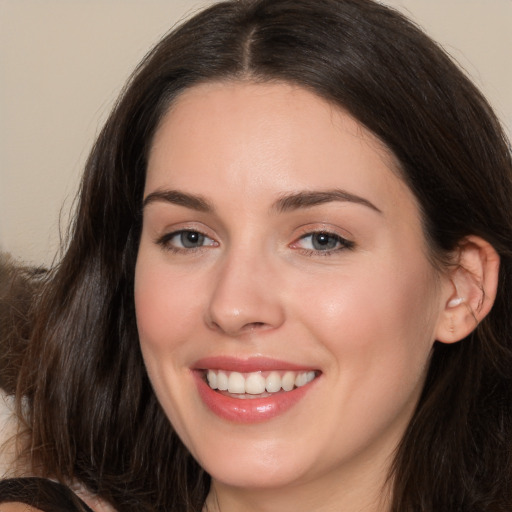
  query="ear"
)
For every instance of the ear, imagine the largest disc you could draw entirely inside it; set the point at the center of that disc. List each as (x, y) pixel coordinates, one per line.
(471, 290)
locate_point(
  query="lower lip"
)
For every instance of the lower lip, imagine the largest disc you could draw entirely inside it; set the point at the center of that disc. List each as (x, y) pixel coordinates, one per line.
(250, 410)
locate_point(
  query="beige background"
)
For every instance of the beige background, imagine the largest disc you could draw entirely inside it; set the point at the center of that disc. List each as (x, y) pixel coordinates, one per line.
(62, 63)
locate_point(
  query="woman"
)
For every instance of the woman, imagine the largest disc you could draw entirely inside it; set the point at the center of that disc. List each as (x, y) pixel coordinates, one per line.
(286, 287)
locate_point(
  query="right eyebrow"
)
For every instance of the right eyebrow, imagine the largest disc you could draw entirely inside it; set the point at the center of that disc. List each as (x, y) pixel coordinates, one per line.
(310, 198)
(191, 201)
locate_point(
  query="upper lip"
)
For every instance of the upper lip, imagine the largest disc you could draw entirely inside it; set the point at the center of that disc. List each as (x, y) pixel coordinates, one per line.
(251, 364)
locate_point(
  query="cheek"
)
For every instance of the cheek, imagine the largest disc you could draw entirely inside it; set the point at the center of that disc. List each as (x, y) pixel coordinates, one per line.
(164, 316)
(379, 334)
(164, 327)
(151, 306)
(387, 314)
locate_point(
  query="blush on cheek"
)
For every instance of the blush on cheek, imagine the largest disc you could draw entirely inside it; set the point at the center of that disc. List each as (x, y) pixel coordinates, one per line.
(148, 307)
(152, 318)
(166, 312)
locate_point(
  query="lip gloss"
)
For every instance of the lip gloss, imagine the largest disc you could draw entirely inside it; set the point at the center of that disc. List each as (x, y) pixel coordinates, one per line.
(249, 410)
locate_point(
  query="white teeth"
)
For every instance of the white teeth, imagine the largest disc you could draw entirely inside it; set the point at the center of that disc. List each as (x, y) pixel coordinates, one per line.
(288, 381)
(212, 379)
(255, 383)
(301, 379)
(236, 383)
(273, 382)
(222, 381)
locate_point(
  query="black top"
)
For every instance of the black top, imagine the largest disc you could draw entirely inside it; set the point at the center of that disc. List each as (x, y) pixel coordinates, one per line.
(42, 494)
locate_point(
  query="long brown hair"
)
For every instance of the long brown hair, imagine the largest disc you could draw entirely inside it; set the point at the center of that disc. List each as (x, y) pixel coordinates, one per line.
(93, 415)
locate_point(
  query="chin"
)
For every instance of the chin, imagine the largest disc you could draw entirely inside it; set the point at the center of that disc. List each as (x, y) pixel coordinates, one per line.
(263, 464)
(255, 476)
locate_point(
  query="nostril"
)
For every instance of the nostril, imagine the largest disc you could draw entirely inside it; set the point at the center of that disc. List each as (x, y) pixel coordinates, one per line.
(244, 329)
(254, 325)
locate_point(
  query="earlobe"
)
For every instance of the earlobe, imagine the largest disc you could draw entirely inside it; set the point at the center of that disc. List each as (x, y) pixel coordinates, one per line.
(474, 282)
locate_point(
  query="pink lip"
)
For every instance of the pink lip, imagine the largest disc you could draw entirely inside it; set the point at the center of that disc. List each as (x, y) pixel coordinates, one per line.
(252, 364)
(253, 410)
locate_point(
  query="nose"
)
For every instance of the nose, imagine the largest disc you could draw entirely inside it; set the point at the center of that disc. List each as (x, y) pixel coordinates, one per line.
(245, 297)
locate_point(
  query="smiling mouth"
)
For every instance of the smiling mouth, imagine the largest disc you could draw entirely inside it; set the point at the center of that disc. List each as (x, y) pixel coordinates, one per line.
(260, 384)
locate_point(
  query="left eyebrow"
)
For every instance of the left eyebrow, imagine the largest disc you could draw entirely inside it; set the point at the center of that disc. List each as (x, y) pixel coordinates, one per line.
(308, 199)
(190, 201)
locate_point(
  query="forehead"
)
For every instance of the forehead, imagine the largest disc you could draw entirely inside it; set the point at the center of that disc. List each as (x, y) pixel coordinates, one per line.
(268, 139)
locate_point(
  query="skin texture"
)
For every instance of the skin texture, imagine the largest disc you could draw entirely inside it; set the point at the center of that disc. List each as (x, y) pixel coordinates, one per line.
(17, 507)
(364, 317)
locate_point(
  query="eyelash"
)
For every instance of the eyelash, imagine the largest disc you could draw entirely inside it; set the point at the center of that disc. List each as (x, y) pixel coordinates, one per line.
(340, 242)
(165, 241)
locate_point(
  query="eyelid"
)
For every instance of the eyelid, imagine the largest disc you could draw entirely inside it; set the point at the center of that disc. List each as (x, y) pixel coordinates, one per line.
(165, 239)
(344, 242)
(305, 231)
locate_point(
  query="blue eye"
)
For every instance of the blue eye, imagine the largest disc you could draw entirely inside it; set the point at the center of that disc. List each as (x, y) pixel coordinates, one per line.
(190, 239)
(323, 242)
(186, 239)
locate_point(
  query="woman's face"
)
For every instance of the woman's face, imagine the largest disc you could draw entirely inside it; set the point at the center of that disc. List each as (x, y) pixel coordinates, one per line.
(282, 255)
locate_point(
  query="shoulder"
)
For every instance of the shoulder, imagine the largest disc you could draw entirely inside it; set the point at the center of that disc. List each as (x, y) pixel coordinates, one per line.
(93, 502)
(17, 507)
(34, 494)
